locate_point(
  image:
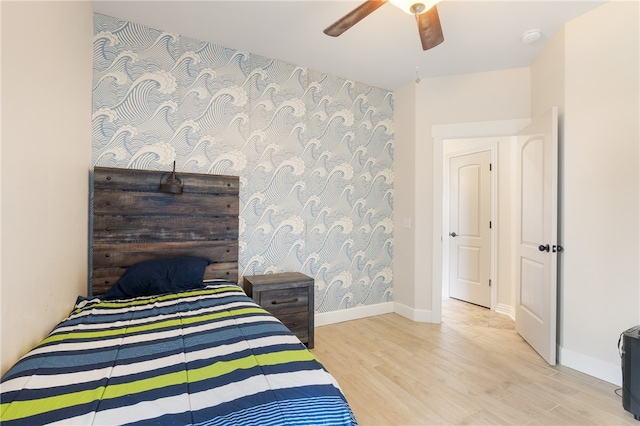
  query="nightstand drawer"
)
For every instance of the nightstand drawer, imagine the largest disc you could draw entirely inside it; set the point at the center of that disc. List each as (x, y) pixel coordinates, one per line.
(288, 296)
(296, 322)
(286, 301)
(298, 326)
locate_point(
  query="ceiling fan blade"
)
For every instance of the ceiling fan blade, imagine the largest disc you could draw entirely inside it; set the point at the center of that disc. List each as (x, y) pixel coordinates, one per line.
(429, 28)
(353, 17)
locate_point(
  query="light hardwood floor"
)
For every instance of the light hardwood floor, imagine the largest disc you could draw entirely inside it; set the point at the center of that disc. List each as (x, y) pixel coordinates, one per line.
(472, 369)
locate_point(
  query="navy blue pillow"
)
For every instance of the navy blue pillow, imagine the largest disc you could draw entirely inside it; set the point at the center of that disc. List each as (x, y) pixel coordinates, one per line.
(159, 276)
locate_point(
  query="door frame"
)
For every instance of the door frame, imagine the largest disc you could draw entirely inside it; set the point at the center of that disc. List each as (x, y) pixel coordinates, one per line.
(440, 133)
(481, 145)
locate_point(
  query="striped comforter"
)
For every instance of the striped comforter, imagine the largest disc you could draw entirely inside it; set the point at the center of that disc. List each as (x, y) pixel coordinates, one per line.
(205, 357)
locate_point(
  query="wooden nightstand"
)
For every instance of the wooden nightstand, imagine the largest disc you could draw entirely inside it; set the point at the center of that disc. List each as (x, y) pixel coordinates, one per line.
(287, 296)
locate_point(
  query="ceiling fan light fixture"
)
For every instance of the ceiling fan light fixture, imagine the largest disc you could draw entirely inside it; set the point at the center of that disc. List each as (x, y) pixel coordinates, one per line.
(413, 7)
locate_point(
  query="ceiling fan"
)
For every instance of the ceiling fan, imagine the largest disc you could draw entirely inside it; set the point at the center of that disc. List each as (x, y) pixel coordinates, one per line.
(426, 14)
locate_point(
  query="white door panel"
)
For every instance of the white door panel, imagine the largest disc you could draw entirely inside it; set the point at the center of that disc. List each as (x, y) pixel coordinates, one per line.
(530, 299)
(469, 224)
(536, 287)
(532, 185)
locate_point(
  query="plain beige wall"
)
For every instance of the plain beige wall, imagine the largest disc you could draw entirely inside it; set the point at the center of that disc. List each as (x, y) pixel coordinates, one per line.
(403, 200)
(547, 77)
(46, 155)
(601, 273)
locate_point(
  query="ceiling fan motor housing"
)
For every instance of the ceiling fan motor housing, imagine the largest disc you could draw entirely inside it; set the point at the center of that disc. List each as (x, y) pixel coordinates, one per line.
(414, 7)
(418, 8)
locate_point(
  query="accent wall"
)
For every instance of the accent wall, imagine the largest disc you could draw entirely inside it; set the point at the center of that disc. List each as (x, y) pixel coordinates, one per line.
(314, 152)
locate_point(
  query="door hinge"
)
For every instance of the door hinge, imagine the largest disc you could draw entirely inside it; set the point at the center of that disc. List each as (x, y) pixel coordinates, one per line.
(489, 283)
(490, 166)
(490, 225)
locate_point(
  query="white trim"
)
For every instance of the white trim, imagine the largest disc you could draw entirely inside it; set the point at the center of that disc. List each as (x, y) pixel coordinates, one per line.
(417, 315)
(455, 131)
(513, 258)
(478, 129)
(326, 318)
(602, 370)
(507, 310)
(359, 312)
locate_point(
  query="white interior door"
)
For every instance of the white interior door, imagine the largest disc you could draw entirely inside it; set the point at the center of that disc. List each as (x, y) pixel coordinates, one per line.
(536, 236)
(470, 228)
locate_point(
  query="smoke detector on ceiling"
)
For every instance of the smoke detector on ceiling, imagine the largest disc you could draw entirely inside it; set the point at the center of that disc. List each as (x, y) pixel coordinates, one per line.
(531, 36)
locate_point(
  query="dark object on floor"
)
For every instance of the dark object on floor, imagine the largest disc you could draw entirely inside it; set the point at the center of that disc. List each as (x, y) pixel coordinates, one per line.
(631, 371)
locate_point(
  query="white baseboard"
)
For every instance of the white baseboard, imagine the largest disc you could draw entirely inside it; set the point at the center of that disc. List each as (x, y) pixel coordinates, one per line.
(506, 310)
(608, 372)
(326, 318)
(418, 315)
(358, 312)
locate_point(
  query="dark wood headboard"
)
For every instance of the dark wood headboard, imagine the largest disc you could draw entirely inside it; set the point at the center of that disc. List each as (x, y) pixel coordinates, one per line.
(133, 221)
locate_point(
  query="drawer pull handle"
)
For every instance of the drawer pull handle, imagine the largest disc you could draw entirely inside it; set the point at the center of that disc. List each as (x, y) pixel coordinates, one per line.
(280, 302)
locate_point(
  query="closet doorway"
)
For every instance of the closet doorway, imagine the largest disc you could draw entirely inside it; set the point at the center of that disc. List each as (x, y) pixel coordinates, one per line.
(453, 137)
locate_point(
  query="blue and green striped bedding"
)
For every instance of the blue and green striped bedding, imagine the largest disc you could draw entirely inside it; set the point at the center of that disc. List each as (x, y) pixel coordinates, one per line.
(209, 356)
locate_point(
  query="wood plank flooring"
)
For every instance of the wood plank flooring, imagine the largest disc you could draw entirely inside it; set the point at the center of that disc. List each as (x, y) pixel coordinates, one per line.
(473, 369)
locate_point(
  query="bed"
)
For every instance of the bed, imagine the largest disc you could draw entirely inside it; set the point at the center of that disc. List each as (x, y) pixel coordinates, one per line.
(172, 350)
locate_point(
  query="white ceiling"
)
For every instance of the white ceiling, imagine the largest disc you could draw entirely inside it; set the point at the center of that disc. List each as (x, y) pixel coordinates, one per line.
(383, 50)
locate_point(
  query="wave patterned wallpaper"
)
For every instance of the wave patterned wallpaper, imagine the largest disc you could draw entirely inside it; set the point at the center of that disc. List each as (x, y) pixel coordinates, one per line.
(314, 152)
